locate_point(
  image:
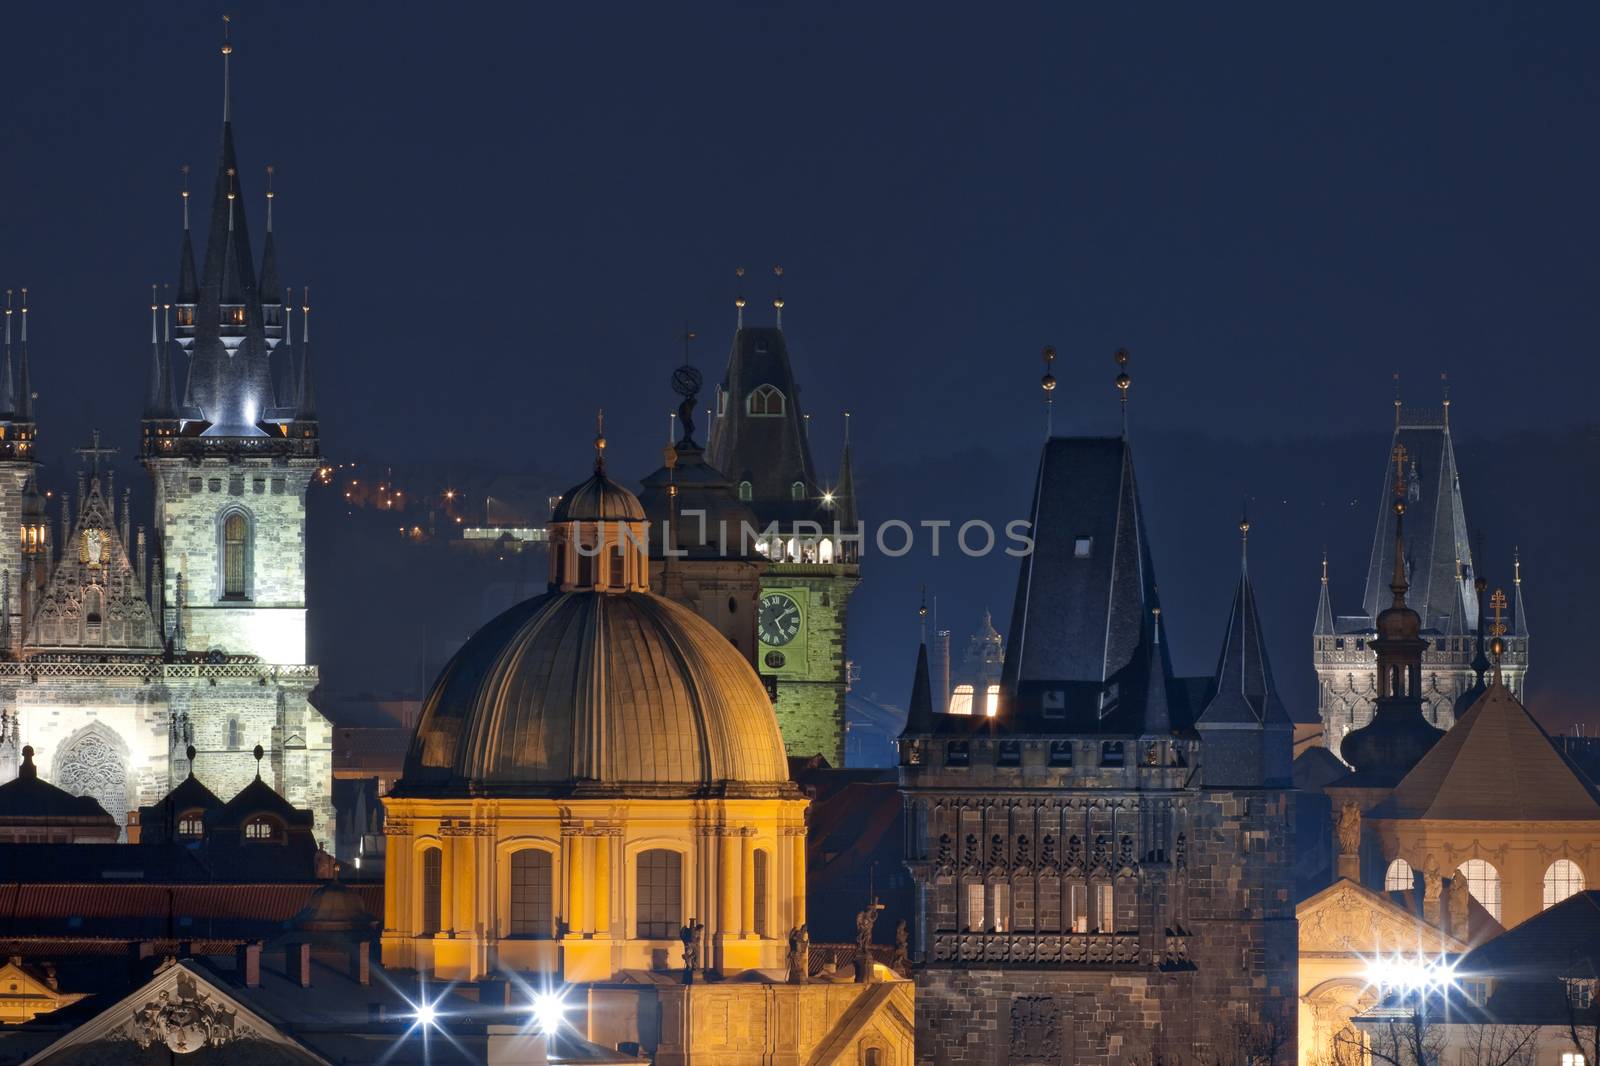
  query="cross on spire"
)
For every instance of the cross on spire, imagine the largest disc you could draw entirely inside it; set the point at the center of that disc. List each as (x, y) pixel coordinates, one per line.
(1400, 457)
(1497, 603)
(95, 452)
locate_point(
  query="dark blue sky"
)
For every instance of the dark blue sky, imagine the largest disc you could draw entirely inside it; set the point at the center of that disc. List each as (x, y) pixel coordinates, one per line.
(507, 213)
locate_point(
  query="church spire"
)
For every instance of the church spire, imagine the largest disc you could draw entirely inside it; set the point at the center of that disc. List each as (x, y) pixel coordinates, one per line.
(1519, 620)
(306, 397)
(155, 405)
(919, 712)
(24, 379)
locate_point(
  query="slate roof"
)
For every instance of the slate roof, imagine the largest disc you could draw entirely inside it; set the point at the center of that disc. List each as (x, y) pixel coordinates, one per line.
(27, 797)
(1495, 764)
(708, 518)
(1436, 527)
(1245, 693)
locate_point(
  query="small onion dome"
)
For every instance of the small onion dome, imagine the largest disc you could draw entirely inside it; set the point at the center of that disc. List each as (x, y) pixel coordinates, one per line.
(598, 500)
(1399, 623)
(588, 692)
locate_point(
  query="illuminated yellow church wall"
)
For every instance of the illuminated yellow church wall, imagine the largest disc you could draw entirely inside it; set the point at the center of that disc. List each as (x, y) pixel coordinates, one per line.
(592, 894)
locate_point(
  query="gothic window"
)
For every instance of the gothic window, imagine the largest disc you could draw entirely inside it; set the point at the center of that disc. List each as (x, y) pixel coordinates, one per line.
(957, 753)
(961, 700)
(1561, 880)
(1105, 908)
(432, 884)
(1009, 753)
(1111, 753)
(233, 734)
(263, 830)
(93, 606)
(991, 701)
(1061, 753)
(745, 491)
(191, 825)
(659, 894)
(873, 1057)
(975, 903)
(1399, 877)
(1000, 907)
(1078, 908)
(765, 401)
(797, 491)
(1483, 881)
(94, 765)
(758, 878)
(532, 879)
(235, 556)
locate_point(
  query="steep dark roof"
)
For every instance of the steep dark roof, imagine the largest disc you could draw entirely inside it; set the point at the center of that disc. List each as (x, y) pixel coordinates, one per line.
(708, 518)
(1436, 527)
(1081, 622)
(919, 713)
(771, 452)
(1495, 764)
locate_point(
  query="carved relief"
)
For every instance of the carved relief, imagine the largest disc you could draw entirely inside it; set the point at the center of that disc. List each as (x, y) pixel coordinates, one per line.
(185, 1019)
(93, 763)
(1035, 1035)
(1350, 828)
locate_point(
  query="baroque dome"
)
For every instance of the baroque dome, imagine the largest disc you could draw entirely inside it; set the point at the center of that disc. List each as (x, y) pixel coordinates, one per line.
(596, 500)
(600, 692)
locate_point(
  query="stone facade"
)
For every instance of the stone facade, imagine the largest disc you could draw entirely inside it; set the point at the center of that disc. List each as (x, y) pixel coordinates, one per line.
(1097, 915)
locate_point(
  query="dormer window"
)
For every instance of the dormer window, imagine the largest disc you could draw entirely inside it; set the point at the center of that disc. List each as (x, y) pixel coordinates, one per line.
(765, 401)
(1082, 546)
(797, 491)
(186, 314)
(263, 830)
(191, 825)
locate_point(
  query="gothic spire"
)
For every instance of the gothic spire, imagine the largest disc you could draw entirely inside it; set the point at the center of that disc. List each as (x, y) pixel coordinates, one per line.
(271, 289)
(8, 396)
(1324, 626)
(24, 379)
(158, 404)
(1157, 715)
(306, 397)
(844, 493)
(919, 714)
(1245, 692)
(1519, 620)
(188, 278)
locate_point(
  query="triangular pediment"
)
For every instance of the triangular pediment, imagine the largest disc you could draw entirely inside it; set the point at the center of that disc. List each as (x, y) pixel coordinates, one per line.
(94, 598)
(1349, 918)
(179, 1008)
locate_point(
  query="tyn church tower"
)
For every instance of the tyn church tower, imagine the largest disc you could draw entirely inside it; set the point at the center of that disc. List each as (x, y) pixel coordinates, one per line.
(1439, 567)
(759, 441)
(120, 653)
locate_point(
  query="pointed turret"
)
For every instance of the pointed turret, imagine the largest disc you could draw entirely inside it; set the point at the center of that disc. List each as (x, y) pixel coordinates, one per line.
(158, 402)
(306, 396)
(8, 393)
(24, 375)
(271, 289)
(1247, 732)
(1519, 619)
(919, 712)
(844, 493)
(187, 295)
(1324, 626)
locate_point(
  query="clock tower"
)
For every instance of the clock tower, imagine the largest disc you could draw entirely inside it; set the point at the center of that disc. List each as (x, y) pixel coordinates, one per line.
(804, 532)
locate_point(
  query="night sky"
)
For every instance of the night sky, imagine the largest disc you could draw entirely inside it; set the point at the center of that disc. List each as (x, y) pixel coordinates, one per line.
(507, 213)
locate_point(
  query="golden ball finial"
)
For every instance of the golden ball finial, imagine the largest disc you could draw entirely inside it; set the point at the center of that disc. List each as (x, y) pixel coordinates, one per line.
(1048, 382)
(738, 301)
(1121, 356)
(777, 301)
(227, 49)
(1244, 527)
(1497, 647)
(1399, 508)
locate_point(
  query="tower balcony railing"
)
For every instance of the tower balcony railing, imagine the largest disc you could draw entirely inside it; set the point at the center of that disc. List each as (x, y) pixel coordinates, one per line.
(1093, 950)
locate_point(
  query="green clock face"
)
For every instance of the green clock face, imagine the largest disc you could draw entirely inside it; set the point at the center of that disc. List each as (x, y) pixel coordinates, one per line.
(777, 619)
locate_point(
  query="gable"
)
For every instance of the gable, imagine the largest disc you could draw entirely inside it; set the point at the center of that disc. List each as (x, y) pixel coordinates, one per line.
(179, 1009)
(94, 598)
(1350, 918)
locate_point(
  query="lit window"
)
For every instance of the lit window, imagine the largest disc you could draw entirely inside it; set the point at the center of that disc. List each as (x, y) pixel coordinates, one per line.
(1571, 1058)
(991, 701)
(261, 830)
(764, 401)
(659, 894)
(1082, 546)
(961, 700)
(758, 879)
(1580, 992)
(1078, 909)
(1483, 881)
(1105, 909)
(186, 314)
(531, 882)
(1399, 877)
(1561, 880)
(432, 880)
(235, 544)
(1001, 916)
(975, 914)
(825, 551)
(191, 825)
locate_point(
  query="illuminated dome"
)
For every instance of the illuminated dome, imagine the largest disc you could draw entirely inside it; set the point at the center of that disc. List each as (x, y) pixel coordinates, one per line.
(598, 690)
(596, 500)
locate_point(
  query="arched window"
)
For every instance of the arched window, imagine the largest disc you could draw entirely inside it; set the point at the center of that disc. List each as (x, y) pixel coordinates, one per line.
(991, 701)
(746, 492)
(873, 1057)
(191, 825)
(961, 699)
(764, 401)
(659, 895)
(1561, 880)
(432, 882)
(532, 879)
(825, 551)
(759, 880)
(233, 734)
(1483, 881)
(263, 830)
(235, 553)
(1399, 877)
(797, 491)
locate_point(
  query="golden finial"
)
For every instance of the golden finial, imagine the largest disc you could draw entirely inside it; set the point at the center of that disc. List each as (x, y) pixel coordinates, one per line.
(777, 299)
(1444, 383)
(227, 50)
(1048, 385)
(1244, 519)
(1397, 399)
(227, 45)
(1124, 382)
(231, 189)
(600, 441)
(270, 195)
(1324, 564)
(922, 614)
(1497, 604)
(738, 295)
(1155, 622)
(184, 170)
(1516, 565)
(1400, 456)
